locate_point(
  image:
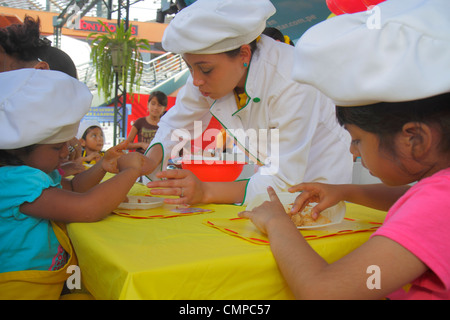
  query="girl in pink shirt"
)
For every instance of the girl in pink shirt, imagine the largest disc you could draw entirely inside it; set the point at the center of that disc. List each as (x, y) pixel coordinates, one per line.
(405, 61)
(411, 246)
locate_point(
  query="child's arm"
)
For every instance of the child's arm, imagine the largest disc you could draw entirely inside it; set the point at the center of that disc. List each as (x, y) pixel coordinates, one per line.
(71, 168)
(137, 145)
(311, 277)
(95, 156)
(91, 177)
(131, 144)
(67, 206)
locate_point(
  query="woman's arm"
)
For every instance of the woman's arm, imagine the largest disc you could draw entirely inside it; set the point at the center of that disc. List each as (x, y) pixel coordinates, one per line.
(185, 183)
(155, 156)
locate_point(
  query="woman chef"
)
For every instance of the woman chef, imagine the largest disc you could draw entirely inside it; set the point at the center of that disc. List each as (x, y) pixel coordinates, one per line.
(243, 79)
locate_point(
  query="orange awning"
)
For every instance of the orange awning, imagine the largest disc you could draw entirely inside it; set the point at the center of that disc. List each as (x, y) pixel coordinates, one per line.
(6, 20)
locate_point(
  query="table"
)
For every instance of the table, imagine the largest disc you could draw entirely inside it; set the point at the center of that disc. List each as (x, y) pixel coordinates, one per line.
(184, 258)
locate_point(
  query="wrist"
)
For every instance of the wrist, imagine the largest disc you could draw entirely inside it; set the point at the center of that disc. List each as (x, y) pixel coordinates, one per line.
(99, 164)
(279, 226)
(346, 191)
(132, 171)
(207, 194)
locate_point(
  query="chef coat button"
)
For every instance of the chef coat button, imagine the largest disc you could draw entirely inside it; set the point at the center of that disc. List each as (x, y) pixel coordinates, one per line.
(256, 99)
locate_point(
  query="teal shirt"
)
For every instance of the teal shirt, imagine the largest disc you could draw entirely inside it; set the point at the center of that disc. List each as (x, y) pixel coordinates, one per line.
(26, 242)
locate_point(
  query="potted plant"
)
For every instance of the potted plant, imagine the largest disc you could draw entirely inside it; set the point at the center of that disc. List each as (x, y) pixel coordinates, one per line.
(117, 52)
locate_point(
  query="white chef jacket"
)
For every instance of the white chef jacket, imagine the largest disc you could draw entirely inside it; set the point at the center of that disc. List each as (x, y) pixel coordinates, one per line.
(311, 145)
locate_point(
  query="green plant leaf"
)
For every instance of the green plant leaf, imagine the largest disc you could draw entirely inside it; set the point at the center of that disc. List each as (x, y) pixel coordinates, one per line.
(101, 54)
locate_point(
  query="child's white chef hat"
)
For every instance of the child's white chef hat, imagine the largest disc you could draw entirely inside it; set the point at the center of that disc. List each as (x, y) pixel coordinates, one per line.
(216, 26)
(40, 107)
(398, 51)
(86, 124)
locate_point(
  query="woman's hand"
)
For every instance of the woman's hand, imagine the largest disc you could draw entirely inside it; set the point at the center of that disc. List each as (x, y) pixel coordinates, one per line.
(269, 214)
(326, 195)
(182, 183)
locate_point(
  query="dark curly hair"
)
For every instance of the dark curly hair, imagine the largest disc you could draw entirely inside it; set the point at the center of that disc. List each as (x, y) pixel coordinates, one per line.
(23, 42)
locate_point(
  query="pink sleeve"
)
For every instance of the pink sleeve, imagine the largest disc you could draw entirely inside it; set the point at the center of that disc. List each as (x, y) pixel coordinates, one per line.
(420, 222)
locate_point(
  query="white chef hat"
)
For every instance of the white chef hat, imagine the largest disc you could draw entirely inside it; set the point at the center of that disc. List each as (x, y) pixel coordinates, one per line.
(86, 124)
(216, 26)
(40, 106)
(398, 51)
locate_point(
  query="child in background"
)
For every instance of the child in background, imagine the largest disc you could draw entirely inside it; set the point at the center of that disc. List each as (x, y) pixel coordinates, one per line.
(145, 127)
(34, 133)
(393, 96)
(92, 140)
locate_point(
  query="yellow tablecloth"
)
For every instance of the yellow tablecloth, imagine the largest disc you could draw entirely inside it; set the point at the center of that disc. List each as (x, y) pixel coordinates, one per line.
(184, 258)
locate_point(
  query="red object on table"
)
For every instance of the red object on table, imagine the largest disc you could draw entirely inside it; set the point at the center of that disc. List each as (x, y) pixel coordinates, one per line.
(208, 171)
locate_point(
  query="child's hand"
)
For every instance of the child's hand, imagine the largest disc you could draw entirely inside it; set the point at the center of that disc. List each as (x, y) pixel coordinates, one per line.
(144, 145)
(326, 195)
(74, 149)
(72, 168)
(267, 214)
(133, 160)
(181, 183)
(111, 155)
(93, 156)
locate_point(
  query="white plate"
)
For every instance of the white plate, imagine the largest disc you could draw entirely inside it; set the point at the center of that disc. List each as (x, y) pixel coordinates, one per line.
(335, 213)
(141, 202)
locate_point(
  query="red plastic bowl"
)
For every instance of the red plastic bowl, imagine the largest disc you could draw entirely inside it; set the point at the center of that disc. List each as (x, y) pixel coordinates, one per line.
(207, 170)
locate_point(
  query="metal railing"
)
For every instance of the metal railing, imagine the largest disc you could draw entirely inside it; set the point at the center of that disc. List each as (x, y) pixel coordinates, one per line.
(162, 68)
(155, 71)
(21, 4)
(51, 5)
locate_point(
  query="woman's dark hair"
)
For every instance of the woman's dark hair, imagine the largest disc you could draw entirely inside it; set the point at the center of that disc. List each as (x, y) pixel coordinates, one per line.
(235, 52)
(23, 42)
(160, 96)
(386, 119)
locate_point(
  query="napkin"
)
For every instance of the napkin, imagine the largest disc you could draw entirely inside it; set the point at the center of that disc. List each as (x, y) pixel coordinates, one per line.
(245, 229)
(167, 211)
